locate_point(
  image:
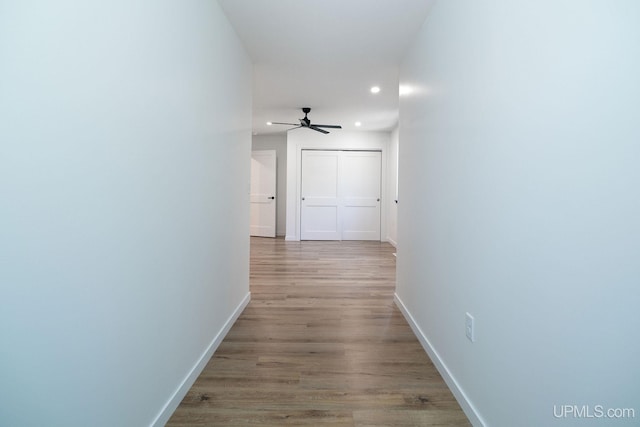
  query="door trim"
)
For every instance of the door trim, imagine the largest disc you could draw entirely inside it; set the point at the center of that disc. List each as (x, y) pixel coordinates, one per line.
(345, 141)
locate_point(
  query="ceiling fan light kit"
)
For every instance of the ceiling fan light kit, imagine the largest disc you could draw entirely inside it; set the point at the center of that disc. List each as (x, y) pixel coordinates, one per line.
(306, 123)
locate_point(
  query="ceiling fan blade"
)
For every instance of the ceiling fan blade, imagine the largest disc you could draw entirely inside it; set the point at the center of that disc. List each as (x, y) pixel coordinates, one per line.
(288, 124)
(317, 129)
(328, 126)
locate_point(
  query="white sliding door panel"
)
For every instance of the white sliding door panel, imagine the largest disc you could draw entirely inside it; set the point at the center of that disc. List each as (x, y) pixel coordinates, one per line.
(340, 195)
(360, 191)
(263, 193)
(319, 213)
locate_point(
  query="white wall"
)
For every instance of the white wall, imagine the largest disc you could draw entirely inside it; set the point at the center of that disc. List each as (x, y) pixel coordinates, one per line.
(300, 139)
(522, 141)
(277, 142)
(124, 171)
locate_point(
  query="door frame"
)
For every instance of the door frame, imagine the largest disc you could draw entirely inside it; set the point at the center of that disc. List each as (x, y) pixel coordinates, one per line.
(341, 141)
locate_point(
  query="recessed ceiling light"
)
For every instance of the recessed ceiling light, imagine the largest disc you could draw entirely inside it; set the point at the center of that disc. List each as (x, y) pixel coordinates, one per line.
(269, 123)
(375, 89)
(358, 124)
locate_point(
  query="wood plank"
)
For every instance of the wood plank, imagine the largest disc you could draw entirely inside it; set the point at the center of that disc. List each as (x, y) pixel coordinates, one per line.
(321, 343)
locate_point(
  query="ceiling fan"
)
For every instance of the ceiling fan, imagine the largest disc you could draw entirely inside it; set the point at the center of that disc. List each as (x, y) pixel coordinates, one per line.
(306, 123)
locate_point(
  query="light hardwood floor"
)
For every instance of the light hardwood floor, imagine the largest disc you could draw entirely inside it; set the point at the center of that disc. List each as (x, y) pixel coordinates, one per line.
(321, 343)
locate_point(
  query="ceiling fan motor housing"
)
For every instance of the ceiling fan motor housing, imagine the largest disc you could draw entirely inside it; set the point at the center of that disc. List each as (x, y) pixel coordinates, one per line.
(305, 121)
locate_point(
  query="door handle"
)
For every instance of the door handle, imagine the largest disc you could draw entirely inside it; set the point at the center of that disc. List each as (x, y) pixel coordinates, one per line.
(378, 200)
(303, 198)
(272, 198)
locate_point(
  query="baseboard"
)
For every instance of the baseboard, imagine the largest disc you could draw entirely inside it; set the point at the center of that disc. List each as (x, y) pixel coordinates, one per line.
(181, 392)
(468, 408)
(291, 239)
(393, 242)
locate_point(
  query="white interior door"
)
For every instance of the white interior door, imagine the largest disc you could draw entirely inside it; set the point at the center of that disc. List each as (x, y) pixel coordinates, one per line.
(340, 195)
(263, 193)
(319, 212)
(360, 195)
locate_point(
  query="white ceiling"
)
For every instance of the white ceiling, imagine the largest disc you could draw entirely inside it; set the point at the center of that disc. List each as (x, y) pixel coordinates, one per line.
(326, 54)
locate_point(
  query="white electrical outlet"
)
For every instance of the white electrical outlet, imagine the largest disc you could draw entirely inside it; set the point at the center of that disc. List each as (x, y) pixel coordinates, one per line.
(469, 327)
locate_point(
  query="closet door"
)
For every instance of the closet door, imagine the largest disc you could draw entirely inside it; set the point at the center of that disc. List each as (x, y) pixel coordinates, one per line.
(319, 213)
(360, 195)
(340, 195)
